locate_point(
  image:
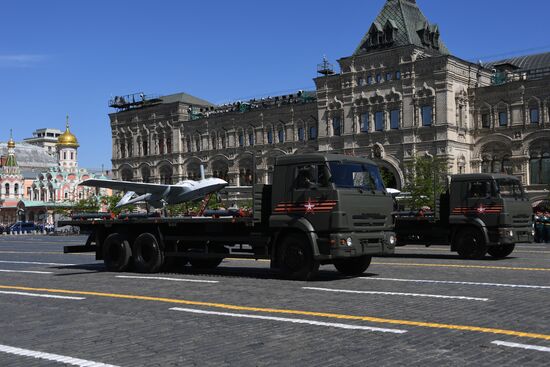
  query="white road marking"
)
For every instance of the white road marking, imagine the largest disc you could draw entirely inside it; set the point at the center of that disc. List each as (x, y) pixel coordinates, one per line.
(170, 279)
(398, 294)
(34, 263)
(25, 271)
(295, 321)
(522, 346)
(463, 283)
(52, 357)
(42, 295)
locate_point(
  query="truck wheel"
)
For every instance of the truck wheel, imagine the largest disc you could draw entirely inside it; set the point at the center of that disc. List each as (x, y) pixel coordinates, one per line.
(354, 266)
(296, 258)
(205, 263)
(501, 251)
(470, 244)
(116, 252)
(148, 257)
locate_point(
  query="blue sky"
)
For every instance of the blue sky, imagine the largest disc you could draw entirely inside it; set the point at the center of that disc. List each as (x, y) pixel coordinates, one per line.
(61, 57)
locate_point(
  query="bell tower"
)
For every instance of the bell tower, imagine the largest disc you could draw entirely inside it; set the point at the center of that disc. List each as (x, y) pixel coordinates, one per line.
(67, 146)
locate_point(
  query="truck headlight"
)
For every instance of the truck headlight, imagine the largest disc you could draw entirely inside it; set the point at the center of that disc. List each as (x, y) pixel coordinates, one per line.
(392, 240)
(349, 242)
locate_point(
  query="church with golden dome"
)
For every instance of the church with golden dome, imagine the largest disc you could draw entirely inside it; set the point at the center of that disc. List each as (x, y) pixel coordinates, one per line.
(35, 180)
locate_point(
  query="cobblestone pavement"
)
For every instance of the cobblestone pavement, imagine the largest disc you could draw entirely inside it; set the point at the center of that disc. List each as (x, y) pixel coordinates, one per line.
(421, 307)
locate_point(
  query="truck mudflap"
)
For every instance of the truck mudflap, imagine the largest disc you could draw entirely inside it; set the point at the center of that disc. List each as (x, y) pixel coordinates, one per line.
(345, 245)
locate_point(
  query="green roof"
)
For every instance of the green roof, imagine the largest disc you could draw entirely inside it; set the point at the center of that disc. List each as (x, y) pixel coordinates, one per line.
(409, 28)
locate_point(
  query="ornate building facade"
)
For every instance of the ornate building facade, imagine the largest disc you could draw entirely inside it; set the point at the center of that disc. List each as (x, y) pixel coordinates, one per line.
(33, 192)
(401, 94)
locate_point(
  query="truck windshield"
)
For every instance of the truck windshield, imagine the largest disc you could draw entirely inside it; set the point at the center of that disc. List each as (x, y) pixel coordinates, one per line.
(356, 175)
(509, 188)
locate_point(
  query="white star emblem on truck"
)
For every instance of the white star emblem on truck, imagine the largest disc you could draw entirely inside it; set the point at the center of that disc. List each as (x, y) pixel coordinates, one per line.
(309, 206)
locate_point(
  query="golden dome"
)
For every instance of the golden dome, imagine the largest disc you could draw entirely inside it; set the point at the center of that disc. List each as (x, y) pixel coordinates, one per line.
(11, 142)
(67, 139)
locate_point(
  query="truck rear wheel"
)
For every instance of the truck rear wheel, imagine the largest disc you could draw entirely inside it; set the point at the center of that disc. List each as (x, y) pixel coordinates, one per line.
(470, 244)
(205, 263)
(296, 258)
(116, 252)
(354, 266)
(148, 257)
(501, 251)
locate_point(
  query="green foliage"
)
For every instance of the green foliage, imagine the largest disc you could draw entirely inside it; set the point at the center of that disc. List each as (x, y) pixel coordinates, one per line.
(387, 177)
(423, 175)
(89, 205)
(112, 201)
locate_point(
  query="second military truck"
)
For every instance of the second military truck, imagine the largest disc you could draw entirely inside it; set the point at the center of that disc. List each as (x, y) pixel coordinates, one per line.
(479, 214)
(320, 209)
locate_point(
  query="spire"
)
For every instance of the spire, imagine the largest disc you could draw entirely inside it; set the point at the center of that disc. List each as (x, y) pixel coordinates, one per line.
(402, 23)
(67, 122)
(11, 142)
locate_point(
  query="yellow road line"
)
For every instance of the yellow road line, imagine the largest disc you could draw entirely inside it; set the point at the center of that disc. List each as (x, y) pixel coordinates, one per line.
(379, 320)
(447, 250)
(463, 266)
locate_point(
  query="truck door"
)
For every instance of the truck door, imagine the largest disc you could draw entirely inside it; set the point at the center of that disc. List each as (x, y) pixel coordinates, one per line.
(311, 192)
(481, 201)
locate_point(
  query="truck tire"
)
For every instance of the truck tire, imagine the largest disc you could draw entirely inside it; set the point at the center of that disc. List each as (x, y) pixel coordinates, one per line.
(502, 251)
(354, 266)
(116, 252)
(206, 264)
(296, 258)
(470, 244)
(148, 257)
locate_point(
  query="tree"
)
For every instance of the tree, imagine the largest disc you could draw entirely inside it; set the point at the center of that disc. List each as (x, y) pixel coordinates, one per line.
(425, 180)
(112, 201)
(89, 205)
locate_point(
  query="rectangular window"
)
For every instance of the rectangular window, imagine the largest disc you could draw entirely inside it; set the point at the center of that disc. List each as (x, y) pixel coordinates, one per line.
(270, 137)
(503, 118)
(379, 78)
(369, 80)
(281, 136)
(361, 82)
(534, 113)
(485, 121)
(427, 115)
(395, 117)
(336, 126)
(301, 134)
(397, 75)
(241, 140)
(379, 121)
(313, 132)
(388, 76)
(365, 123)
(251, 139)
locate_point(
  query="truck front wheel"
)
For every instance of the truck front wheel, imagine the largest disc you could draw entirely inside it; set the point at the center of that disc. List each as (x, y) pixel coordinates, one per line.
(470, 244)
(116, 252)
(148, 257)
(502, 251)
(296, 258)
(354, 266)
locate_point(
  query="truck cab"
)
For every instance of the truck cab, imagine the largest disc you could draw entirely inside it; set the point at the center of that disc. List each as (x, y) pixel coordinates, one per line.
(496, 206)
(339, 202)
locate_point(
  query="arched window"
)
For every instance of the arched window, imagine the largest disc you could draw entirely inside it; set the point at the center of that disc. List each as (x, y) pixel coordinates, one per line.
(539, 164)
(166, 175)
(241, 139)
(7, 186)
(145, 174)
(188, 144)
(269, 136)
(197, 144)
(281, 134)
(312, 132)
(251, 138)
(145, 146)
(496, 158)
(16, 189)
(301, 134)
(169, 145)
(214, 141)
(336, 126)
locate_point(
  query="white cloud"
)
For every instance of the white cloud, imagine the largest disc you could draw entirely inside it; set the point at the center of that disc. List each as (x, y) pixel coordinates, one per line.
(20, 60)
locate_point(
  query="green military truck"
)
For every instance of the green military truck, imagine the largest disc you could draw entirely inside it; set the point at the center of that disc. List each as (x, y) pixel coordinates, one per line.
(320, 209)
(479, 214)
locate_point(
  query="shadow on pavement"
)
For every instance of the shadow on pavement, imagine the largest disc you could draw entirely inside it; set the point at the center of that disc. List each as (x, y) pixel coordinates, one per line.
(222, 271)
(441, 257)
